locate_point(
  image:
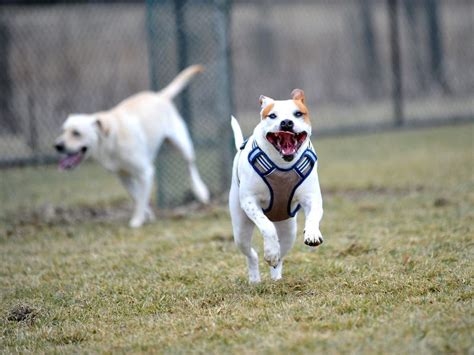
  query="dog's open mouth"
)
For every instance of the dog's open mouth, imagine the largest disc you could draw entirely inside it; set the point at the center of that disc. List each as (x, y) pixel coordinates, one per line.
(287, 143)
(72, 160)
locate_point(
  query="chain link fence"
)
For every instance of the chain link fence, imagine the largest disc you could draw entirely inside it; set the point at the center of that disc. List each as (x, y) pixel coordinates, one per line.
(345, 54)
(364, 65)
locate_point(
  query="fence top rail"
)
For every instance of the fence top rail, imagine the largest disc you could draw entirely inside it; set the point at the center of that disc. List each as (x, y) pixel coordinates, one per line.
(67, 2)
(249, 2)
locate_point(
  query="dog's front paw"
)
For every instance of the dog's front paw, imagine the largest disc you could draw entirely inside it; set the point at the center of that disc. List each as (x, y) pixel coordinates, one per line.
(313, 239)
(275, 272)
(271, 251)
(254, 278)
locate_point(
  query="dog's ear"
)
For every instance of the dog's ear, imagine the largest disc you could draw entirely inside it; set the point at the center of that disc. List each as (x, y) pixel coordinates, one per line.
(102, 125)
(265, 101)
(297, 94)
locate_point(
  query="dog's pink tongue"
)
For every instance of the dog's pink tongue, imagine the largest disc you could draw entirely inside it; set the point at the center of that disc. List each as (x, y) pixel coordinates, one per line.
(70, 161)
(287, 143)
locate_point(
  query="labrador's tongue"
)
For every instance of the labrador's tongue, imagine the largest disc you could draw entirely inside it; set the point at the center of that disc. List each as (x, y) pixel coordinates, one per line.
(287, 143)
(70, 161)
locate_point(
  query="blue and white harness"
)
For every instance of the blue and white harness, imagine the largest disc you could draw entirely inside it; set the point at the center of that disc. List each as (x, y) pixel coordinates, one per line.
(282, 183)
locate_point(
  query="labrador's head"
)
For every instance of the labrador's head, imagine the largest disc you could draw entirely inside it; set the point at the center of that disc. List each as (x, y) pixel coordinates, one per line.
(79, 137)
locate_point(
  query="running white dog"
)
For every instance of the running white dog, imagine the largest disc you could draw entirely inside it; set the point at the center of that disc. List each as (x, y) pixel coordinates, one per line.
(125, 141)
(274, 174)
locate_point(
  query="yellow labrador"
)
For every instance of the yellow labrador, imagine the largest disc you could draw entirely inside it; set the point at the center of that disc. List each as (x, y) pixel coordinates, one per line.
(126, 138)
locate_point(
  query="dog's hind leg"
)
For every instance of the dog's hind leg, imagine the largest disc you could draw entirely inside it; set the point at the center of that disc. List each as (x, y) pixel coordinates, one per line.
(243, 229)
(128, 182)
(243, 239)
(139, 187)
(182, 141)
(286, 231)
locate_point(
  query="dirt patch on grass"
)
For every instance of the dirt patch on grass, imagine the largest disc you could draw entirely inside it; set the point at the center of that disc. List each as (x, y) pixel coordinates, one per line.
(72, 337)
(119, 211)
(355, 249)
(221, 238)
(441, 202)
(368, 208)
(53, 215)
(22, 313)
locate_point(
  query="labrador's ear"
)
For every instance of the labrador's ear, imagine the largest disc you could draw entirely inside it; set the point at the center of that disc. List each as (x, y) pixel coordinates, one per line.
(297, 94)
(265, 101)
(102, 125)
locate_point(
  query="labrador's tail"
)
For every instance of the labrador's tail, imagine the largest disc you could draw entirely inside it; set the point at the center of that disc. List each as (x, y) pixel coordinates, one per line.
(181, 80)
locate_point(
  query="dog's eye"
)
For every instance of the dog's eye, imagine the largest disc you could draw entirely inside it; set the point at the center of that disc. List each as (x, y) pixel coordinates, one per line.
(76, 134)
(272, 116)
(298, 114)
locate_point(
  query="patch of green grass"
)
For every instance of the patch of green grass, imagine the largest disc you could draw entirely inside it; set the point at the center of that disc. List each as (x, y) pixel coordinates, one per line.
(394, 274)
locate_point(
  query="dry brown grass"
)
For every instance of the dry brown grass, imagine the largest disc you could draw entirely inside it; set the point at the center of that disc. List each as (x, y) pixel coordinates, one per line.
(394, 275)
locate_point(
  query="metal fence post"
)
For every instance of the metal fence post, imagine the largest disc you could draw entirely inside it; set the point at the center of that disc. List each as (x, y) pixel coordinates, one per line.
(8, 123)
(150, 29)
(181, 29)
(224, 101)
(32, 134)
(435, 39)
(181, 33)
(371, 68)
(153, 53)
(397, 89)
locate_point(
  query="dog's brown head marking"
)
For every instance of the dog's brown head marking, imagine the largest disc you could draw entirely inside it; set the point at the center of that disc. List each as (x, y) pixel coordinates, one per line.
(298, 98)
(266, 104)
(267, 110)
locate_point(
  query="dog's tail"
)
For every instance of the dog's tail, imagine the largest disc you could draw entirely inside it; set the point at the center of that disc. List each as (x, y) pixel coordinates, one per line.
(238, 136)
(181, 80)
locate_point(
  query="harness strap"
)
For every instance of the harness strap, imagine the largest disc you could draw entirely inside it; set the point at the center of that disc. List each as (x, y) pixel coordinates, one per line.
(260, 161)
(282, 183)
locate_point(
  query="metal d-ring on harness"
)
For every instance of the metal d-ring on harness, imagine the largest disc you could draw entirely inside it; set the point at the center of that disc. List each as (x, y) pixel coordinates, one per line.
(282, 183)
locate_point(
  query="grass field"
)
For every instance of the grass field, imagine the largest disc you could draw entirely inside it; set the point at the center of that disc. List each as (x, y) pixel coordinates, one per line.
(394, 274)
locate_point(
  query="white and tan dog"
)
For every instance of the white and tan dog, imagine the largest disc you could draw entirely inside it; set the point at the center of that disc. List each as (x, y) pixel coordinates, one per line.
(126, 138)
(274, 173)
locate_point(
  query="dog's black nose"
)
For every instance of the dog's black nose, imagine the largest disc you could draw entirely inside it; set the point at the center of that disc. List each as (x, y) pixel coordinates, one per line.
(59, 147)
(286, 125)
